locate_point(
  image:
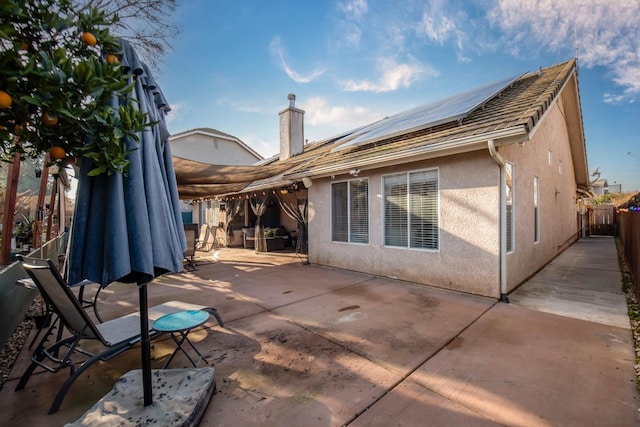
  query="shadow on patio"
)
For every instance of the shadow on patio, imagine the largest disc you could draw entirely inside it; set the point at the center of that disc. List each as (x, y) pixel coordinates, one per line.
(303, 344)
(316, 346)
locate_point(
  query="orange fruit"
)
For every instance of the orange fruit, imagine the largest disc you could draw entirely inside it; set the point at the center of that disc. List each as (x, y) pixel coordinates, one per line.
(49, 119)
(5, 99)
(70, 160)
(57, 153)
(89, 38)
(112, 59)
(17, 129)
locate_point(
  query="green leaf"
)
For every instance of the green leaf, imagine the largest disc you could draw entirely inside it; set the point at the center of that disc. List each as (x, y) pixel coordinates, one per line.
(31, 100)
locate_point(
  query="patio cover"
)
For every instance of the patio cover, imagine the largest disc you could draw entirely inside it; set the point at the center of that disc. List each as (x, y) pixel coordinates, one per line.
(197, 180)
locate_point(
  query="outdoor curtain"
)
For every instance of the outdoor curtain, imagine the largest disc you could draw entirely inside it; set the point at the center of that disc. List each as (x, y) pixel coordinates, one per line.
(259, 207)
(296, 209)
(232, 211)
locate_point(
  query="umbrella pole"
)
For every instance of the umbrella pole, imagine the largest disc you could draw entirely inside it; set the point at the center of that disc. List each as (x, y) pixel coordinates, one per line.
(145, 345)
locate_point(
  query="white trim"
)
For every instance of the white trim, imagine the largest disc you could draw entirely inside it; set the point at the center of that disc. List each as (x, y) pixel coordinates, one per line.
(554, 101)
(536, 209)
(406, 173)
(513, 207)
(502, 246)
(227, 137)
(349, 241)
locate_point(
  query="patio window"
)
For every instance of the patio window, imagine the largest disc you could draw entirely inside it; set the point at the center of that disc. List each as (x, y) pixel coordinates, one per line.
(536, 209)
(411, 217)
(350, 211)
(510, 204)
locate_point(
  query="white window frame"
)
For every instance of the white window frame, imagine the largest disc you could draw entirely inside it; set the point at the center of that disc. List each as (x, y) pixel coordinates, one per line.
(407, 175)
(350, 231)
(510, 194)
(536, 209)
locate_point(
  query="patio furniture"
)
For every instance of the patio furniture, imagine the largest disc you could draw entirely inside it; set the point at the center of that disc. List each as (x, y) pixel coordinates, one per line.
(116, 335)
(191, 234)
(249, 238)
(275, 243)
(44, 320)
(179, 324)
(206, 241)
(275, 238)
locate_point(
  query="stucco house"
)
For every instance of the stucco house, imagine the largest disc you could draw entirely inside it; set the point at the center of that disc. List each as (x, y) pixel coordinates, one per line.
(210, 146)
(474, 193)
(477, 204)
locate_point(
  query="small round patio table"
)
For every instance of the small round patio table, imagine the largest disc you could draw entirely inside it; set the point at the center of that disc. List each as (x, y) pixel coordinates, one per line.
(179, 324)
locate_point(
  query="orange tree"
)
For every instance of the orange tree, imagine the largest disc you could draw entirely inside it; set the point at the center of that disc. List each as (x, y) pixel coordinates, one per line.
(61, 89)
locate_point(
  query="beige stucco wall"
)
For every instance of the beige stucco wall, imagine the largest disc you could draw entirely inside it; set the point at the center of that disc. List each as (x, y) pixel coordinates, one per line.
(468, 256)
(210, 149)
(558, 213)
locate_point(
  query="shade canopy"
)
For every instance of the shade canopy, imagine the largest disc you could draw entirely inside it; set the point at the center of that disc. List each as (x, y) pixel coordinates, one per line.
(197, 180)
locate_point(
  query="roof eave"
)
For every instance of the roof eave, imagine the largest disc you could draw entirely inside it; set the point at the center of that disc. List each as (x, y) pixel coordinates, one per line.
(440, 149)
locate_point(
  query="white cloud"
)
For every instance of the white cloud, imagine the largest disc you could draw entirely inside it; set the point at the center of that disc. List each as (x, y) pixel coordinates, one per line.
(276, 49)
(318, 112)
(174, 113)
(393, 76)
(436, 25)
(354, 9)
(607, 34)
(349, 29)
(261, 145)
(443, 21)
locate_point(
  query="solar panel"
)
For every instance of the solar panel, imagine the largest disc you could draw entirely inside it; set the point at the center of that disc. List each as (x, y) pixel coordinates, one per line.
(446, 110)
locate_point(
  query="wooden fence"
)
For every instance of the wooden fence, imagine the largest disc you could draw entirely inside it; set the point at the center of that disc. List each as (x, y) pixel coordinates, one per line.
(629, 232)
(602, 220)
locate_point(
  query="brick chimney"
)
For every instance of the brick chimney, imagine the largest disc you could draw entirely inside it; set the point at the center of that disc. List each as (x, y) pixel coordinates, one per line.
(291, 130)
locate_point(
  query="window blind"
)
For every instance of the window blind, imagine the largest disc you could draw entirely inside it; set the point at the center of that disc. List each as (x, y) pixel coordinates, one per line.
(339, 215)
(423, 209)
(359, 210)
(395, 210)
(350, 211)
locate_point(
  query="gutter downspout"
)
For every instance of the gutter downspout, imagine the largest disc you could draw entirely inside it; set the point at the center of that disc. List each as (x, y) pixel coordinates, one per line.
(503, 220)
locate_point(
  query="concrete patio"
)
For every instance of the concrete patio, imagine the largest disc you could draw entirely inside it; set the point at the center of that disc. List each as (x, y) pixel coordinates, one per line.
(306, 345)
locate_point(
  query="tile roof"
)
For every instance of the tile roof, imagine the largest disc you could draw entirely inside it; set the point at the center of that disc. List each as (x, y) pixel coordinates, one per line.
(514, 111)
(520, 105)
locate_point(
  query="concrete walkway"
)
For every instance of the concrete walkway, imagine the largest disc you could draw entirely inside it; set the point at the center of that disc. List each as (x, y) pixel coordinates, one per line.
(584, 282)
(314, 346)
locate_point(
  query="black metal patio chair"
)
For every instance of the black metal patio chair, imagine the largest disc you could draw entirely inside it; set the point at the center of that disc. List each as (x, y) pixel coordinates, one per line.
(116, 335)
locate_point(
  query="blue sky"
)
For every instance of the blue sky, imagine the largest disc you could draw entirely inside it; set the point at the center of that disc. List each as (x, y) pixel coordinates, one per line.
(352, 62)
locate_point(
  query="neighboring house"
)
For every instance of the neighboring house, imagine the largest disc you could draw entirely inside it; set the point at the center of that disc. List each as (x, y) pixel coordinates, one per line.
(600, 187)
(474, 193)
(614, 188)
(210, 146)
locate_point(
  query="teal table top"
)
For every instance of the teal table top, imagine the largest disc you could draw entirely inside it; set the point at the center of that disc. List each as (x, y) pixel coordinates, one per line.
(180, 321)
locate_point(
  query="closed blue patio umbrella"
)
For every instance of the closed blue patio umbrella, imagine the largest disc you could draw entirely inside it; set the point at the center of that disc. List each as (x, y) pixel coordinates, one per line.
(128, 228)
